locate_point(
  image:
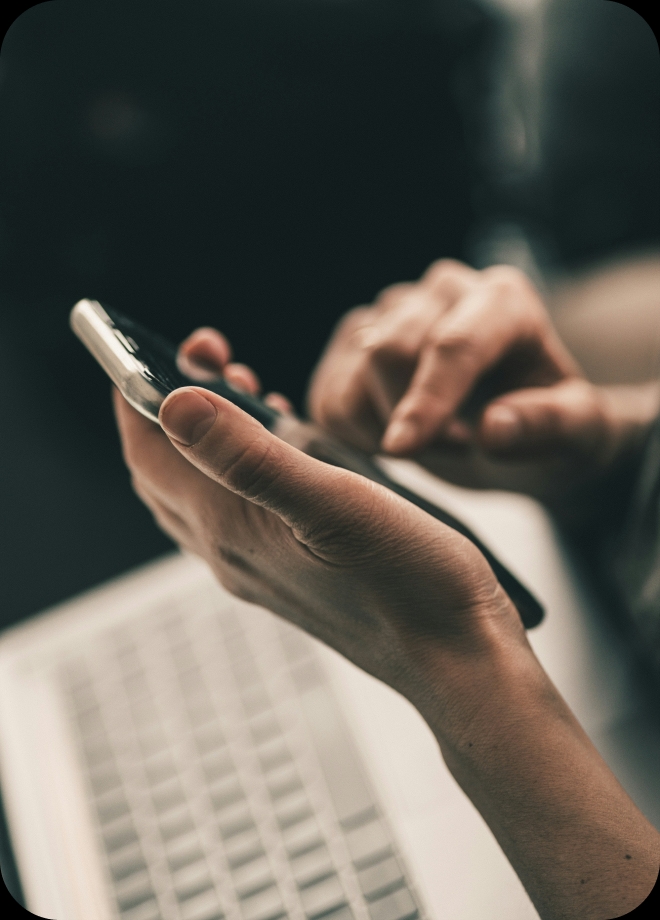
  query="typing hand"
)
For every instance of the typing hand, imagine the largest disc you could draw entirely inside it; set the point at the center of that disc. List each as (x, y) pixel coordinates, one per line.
(464, 372)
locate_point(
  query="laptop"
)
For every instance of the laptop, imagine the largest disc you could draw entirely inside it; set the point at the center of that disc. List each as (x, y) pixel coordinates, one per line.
(168, 752)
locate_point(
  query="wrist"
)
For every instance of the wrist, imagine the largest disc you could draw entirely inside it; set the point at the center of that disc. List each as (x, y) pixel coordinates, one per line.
(574, 837)
(471, 691)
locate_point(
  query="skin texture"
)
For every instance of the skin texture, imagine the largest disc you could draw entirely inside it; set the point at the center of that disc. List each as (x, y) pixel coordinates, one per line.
(464, 372)
(343, 557)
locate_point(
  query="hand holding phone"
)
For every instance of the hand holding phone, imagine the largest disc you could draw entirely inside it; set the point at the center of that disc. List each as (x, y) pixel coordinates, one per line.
(144, 368)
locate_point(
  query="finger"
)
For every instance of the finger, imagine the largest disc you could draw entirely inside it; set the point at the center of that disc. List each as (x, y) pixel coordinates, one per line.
(243, 378)
(391, 296)
(280, 403)
(392, 352)
(542, 421)
(466, 342)
(204, 354)
(337, 397)
(149, 455)
(233, 449)
(448, 278)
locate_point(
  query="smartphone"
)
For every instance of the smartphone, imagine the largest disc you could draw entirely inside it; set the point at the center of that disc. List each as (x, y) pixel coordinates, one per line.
(143, 366)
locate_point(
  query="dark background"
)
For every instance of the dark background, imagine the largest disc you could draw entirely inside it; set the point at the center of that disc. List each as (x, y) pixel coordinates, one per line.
(262, 167)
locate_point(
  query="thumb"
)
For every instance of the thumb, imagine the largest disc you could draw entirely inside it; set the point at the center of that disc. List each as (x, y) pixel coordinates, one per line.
(532, 423)
(235, 450)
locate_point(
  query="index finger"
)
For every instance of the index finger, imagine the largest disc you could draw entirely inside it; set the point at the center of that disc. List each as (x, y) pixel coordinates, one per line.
(464, 343)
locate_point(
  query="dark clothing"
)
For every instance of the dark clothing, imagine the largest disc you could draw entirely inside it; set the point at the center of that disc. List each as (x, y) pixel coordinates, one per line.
(636, 554)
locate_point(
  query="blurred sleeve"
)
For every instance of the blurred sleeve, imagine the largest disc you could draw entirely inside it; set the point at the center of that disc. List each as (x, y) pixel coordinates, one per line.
(636, 557)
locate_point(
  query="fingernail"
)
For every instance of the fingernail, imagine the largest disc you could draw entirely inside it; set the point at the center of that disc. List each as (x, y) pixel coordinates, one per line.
(399, 437)
(187, 417)
(504, 425)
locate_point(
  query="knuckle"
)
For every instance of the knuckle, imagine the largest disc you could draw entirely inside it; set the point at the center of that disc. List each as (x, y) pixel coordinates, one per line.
(355, 317)
(507, 281)
(454, 344)
(384, 350)
(443, 269)
(248, 472)
(391, 295)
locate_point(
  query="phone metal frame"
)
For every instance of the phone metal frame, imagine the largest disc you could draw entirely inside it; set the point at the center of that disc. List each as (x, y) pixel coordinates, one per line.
(116, 355)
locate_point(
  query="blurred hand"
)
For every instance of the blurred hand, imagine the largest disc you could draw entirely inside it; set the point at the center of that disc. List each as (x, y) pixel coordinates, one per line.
(327, 549)
(463, 371)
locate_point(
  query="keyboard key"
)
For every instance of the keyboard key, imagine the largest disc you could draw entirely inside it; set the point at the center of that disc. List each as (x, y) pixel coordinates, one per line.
(265, 905)
(89, 721)
(380, 878)
(255, 700)
(136, 885)
(252, 876)
(97, 748)
(243, 847)
(184, 847)
(292, 809)
(295, 642)
(201, 712)
(367, 841)
(208, 739)
(192, 880)
(136, 684)
(264, 727)
(396, 906)
(341, 913)
(168, 795)
(98, 752)
(204, 906)
(134, 892)
(283, 780)
(217, 764)
(322, 896)
(176, 822)
(235, 819)
(191, 679)
(104, 778)
(226, 792)
(306, 675)
(312, 865)
(120, 834)
(148, 910)
(185, 857)
(159, 768)
(112, 806)
(302, 836)
(208, 913)
(341, 767)
(126, 862)
(273, 755)
(152, 740)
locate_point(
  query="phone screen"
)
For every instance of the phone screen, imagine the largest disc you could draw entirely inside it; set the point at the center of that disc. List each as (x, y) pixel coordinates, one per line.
(160, 368)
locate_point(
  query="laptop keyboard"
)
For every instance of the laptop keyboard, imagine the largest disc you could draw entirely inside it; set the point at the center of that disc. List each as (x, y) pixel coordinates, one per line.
(221, 775)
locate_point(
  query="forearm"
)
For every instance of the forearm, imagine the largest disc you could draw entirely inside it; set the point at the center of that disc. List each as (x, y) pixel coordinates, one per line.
(578, 843)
